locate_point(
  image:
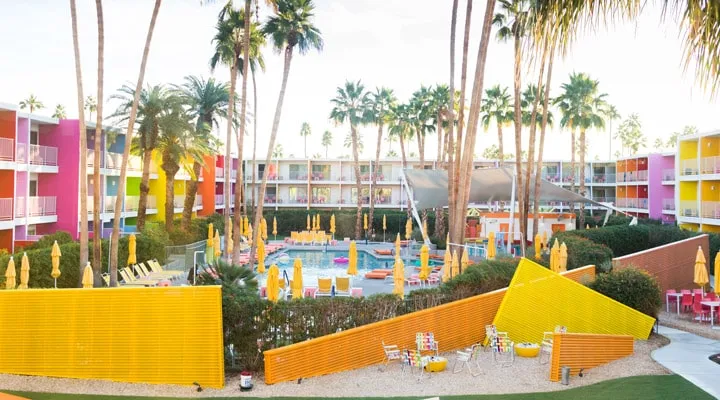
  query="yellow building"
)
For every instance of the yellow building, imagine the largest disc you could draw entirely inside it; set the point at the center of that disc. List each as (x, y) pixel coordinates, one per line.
(698, 189)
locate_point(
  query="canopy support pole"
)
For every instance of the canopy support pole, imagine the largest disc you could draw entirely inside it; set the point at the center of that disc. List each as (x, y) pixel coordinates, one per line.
(413, 208)
(511, 236)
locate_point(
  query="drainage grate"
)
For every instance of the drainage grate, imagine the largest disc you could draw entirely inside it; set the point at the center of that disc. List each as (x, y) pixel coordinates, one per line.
(715, 358)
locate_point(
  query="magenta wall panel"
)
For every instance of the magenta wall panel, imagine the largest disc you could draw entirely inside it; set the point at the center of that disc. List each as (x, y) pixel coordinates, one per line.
(65, 183)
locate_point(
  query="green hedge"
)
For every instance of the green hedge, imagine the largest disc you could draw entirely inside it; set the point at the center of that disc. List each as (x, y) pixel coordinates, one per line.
(633, 287)
(48, 240)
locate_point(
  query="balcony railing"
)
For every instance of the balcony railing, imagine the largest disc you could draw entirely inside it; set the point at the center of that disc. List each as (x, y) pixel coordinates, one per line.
(43, 155)
(689, 167)
(688, 208)
(602, 199)
(198, 201)
(219, 199)
(298, 176)
(710, 165)
(219, 172)
(6, 209)
(233, 174)
(668, 204)
(114, 161)
(642, 175)
(179, 201)
(549, 176)
(132, 203)
(711, 209)
(109, 204)
(37, 206)
(6, 149)
(642, 203)
(603, 178)
(668, 174)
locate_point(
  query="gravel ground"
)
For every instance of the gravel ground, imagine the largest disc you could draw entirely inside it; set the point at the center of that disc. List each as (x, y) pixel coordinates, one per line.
(525, 375)
(684, 322)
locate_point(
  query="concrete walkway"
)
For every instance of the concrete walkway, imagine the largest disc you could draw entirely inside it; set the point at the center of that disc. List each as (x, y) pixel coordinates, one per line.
(687, 355)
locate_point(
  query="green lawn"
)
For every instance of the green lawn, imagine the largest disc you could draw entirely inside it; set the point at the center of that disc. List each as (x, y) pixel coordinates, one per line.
(638, 387)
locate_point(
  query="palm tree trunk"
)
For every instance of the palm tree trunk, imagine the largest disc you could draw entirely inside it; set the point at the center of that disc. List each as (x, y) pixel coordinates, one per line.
(254, 151)
(466, 165)
(541, 147)
(97, 223)
(439, 138)
(115, 238)
(82, 143)
(171, 170)
(517, 84)
(371, 213)
(402, 150)
(227, 188)
(190, 194)
(239, 188)
(144, 190)
(358, 183)
(573, 165)
(421, 148)
(305, 145)
(271, 144)
(582, 176)
(501, 151)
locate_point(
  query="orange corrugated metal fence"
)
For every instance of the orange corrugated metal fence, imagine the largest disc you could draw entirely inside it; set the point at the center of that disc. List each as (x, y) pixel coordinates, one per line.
(153, 335)
(455, 325)
(538, 299)
(582, 350)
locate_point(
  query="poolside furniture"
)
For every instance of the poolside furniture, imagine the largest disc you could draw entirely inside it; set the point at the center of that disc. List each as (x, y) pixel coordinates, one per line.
(435, 364)
(356, 292)
(466, 358)
(383, 252)
(392, 353)
(129, 279)
(546, 345)
(414, 279)
(425, 342)
(490, 332)
(434, 278)
(156, 267)
(342, 286)
(699, 312)
(414, 360)
(527, 350)
(310, 291)
(686, 300)
(324, 287)
(672, 296)
(378, 274)
(503, 350)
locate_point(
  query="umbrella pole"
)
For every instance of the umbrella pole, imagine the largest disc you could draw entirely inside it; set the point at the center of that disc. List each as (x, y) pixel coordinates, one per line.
(55, 283)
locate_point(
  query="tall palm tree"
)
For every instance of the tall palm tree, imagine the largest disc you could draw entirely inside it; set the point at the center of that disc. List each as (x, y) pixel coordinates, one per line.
(529, 97)
(82, 143)
(452, 170)
(611, 113)
(207, 102)
(153, 102)
(422, 114)
(277, 151)
(440, 95)
(381, 102)
(257, 61)
(305, 131)
(352, 105)
(97, 106)
(60, 112)
(400, 127)
(115, 238)
(91, 105)
(291, 27)
(327, 141)
(496, 106)
(32, 103)
(229, 46)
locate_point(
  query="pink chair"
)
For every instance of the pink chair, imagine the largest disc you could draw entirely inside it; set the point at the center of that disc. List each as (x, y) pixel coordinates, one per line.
(671, 299)
(686, 301)
(700, 312)
(712, 296)
(696, 291)
(414, 279)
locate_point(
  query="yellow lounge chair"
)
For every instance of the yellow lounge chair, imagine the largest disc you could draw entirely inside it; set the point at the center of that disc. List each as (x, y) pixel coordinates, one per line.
(324, 287)
(342, 286)
(156, 267)
(128, 277)
(152, 273)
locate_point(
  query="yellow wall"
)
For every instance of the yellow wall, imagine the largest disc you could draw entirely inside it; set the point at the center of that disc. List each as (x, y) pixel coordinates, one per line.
(710, 228)
(688, 149)
(688, 191)
(690, 227)
(167, 335)
(157, 189)
(709, 146)
(710, 191)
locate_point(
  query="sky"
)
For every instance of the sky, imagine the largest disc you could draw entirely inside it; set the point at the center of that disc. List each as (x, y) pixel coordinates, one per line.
(400, 44)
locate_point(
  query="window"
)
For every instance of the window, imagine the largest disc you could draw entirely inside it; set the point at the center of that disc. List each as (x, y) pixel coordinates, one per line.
(33, 137)
(297, 194)
(320, 172)
(298, 171)
(270, 195)
(321, 195)
(383, 196)
(33, 188)
(261, 170)
(365, 195)
(31, 230)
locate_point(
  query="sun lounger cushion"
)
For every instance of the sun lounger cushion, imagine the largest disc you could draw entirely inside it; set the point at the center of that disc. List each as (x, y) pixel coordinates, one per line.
(383, 252)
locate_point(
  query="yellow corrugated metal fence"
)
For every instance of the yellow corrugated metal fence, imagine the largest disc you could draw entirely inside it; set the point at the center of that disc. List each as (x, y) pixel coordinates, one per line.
(580, 350)
(153, 335)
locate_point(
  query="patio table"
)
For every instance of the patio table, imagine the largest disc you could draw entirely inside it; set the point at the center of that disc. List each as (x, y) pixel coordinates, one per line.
(677, 297)
(712, 305)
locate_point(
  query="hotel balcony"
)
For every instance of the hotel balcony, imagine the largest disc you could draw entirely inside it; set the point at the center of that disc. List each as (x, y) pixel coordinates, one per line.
(668, 175)
(689, 167)
(219, 173)
(7, 147)
(41, 209)
(198, 202)
(603, 178)
(219, 200)
(6, 213)
(40, 158)
(131, 205)
(642, 175)
(710, 165)
(602, 199)
(668, 204)
(711, 209)
(688, 208)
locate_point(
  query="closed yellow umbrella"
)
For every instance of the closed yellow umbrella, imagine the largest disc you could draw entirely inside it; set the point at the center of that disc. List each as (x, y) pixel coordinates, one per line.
(332, 225)
(264, 228)
(274, 232)
(273, 285)
(297, 283)
(491, 250)
(447, 265)
(246, 228)
(425, 231)
(399, 278)
(210, 247)
(249, 232)
(87, 279)
(455, 264)
(408, 229)
(216, 245)
(132, 250)
(555, 257)
(230, 245)
(352, 259)
(563, 257)
(544, 240)
(397, 245)
(365, 222)
(701, 276)
(465, 260)
(261, 256)
(717, 273)
(308, 222)
(384, 222)
(538, 246)
(424, 263)
(10, 274)
(55, 254)
(211, 231)
(24, 272)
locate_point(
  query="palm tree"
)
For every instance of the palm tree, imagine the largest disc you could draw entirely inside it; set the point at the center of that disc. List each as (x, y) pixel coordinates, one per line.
(154, 101)
(59, 112)
(97, 106)
(277, 151)
(352, 105)
(496, 105)
(400, 127)
(305, 131)
(91, 105)
(611, 113)
(291, 27)
(32, 103)
(630, 134)
(422, 115)
(381, 102)
(115, 238)
(327, 141)
(229, 42)
(207, 102)
(529, 97)
(440, 95)
(82, 144)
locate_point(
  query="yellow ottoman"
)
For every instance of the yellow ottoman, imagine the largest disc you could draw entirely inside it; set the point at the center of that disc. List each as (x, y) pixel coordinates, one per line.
(436, 364)
(528, 350)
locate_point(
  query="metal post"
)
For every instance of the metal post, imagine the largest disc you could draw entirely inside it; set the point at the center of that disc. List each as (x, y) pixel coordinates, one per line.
(194, 265)
(512, 212)
(413, 209)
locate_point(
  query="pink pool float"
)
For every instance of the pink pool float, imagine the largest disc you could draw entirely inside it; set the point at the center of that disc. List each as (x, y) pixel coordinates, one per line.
(341, 260)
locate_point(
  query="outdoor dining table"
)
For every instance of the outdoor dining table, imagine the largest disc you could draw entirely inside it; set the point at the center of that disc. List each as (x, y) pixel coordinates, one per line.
(677, 297)
(712, 305)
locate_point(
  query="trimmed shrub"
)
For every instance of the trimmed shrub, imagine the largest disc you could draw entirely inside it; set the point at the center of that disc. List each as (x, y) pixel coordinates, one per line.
(633, 287)
(481, 278)
(582, 252)
(48, 240)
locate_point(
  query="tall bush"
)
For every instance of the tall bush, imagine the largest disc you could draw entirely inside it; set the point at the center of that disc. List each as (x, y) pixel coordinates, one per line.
(62, 237)
(633, 287)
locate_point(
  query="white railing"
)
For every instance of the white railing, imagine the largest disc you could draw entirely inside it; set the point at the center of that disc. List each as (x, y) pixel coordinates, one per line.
(179, 201)
(109, 204)
(90, 158)
(43, 155)
(113, 160)
(219, 172)
(198, 201)
(135, 163)
(642, 203)
(668, 174)
(604, 199)
(6, 209)
(710, 165)
(219, 199)
(688, 208)
(603, 178)
(132, 203)
(6, 149)
(689, 167)
(151, 203)
(36, 206)
(233, 174)
(668, 204)
(21, 153)
(711, 209)
(642, 175)
(182, 174)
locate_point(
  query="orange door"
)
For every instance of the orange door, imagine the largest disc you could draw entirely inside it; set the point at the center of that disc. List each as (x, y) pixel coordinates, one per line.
(558, 228)
(504, 228)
